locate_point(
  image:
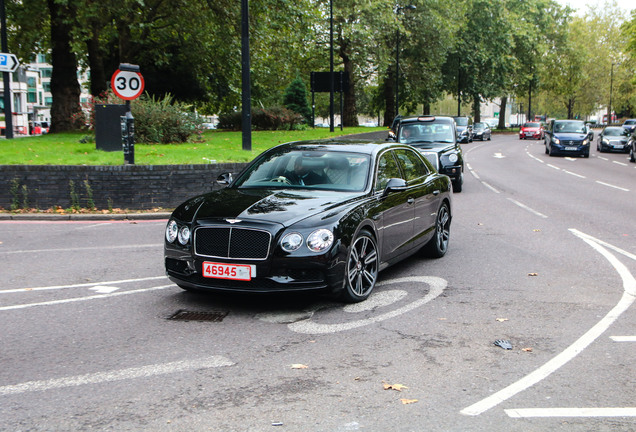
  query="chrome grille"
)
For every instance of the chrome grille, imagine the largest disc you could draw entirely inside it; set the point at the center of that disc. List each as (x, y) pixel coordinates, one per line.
(231, 242)
(571, 143)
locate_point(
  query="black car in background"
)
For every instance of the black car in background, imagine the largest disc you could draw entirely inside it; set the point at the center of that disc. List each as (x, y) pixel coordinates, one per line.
(464, 127)
(481, 131)
(613, 138)
(630, 125)
(631, 145)
(567, 137)
(311, 216)
(436, 138)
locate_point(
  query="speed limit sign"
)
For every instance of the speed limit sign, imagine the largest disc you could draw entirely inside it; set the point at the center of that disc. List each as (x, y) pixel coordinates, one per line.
(127, 85)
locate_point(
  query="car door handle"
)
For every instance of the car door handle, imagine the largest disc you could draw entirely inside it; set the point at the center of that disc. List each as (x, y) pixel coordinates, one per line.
(411, 200)
(436, 192)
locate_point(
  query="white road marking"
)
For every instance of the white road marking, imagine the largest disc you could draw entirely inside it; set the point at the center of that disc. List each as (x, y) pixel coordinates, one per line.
(612, 186)
(437, 286)
(619, 163)
(555, 167)
(525, 207)
(627, 299)
(87, 248)
(498, 156)
(571, 412)
(102, 289)
(602, 158)
(82, 285)
(490, 187)
(574, 174)
(623, 338)
(117, 375)
(79, 299)
(607, 245)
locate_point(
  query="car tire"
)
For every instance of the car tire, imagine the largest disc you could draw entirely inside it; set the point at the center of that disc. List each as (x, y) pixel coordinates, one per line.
(438, 245)
(362, 267)
(488, 137)
(458, 184)
(632, 156)
(586, 154)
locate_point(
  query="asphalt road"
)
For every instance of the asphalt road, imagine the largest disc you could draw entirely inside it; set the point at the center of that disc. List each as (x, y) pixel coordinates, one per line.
(542, 255)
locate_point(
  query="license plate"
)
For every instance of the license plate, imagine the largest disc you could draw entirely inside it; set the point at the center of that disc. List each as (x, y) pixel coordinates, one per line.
(619, 146)
(572, 148)
(529, 133)
(243, 272)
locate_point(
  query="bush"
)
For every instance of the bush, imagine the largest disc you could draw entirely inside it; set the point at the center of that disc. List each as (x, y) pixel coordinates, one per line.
(274, 118)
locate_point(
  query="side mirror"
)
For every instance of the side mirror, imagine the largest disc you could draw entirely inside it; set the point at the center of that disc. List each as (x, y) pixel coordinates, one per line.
(224, 179)
(391, 136)
(394, 185)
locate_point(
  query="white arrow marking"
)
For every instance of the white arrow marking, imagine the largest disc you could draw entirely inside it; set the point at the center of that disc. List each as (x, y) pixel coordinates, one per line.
(102, 289)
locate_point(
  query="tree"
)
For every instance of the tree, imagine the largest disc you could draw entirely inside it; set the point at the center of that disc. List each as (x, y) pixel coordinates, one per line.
(295, 99)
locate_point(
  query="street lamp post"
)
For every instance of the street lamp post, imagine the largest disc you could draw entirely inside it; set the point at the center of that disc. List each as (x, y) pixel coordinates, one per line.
(609, 106)
(398, 9)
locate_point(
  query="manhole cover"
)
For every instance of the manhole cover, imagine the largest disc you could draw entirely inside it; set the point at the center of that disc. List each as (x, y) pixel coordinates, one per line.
(184, 315)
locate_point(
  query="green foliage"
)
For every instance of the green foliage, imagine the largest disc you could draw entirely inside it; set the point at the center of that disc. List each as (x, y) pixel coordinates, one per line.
(164, 121)
(273, 118)
(15, 193)
(295, 99)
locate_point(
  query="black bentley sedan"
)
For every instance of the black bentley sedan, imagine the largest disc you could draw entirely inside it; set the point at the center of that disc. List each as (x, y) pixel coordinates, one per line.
(314, 215)
(436, 139)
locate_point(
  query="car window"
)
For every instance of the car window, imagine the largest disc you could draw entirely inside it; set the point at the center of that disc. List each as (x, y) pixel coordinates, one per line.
(411, 164)
(570, 127)
(387, 169)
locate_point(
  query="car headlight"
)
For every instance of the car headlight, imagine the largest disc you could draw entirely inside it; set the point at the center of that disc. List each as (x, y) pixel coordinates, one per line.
(605, 141)
(586, 142)
(184, 235)
(453, 158)
(320, 240)
(291, 242)
(556, 140)
(172, 231)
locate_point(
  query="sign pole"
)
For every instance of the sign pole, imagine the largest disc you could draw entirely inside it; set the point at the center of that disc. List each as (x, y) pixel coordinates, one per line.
(128, 84)
(8, 112)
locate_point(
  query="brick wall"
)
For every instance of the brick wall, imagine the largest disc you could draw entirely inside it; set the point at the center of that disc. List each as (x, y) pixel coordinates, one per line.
(134, 187)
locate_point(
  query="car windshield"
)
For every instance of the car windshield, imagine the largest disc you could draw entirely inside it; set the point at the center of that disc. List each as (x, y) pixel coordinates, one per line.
(479, 126)
(461, 121)
(630, 122)
(426, 134)
(531, 125)
(615, 131)
(570, 127)
(308, 169)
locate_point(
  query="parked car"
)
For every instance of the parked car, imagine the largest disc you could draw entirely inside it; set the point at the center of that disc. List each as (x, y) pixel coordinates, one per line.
(567, 137)
(532, 130)
(492, 122)
(630, 125)
(436, 138)
(464, 127)
(481, 131)
(613, 138)
(361, 207)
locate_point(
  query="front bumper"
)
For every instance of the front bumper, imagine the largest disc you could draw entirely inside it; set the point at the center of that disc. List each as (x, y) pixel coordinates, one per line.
(615, 146)
(453, 171)
(570, 148)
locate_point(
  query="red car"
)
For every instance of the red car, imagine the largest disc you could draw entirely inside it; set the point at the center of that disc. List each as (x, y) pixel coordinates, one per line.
(531, 130)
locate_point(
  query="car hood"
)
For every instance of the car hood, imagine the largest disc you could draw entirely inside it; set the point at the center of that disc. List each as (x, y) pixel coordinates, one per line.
(530, 129)
(570, 136)
(622, 140)
(282, 206)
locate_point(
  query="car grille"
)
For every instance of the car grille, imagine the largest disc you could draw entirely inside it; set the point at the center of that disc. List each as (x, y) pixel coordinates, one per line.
(571, 143)
(232, 242)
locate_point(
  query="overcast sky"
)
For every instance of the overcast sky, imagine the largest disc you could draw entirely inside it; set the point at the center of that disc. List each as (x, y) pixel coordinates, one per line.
(580, 5)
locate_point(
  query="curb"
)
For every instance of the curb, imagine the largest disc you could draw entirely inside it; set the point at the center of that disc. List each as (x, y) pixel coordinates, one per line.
(82, 217)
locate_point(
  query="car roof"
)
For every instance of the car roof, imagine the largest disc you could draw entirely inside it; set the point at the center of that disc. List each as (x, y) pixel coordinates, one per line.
(342, 145)
(425, 119)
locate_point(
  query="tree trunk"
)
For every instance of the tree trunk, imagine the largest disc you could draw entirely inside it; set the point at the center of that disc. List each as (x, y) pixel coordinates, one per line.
(389, 97)
(99, 82)
(476, 108)
(65, 88)
(426, 108)
(350, 114)
(502, 113)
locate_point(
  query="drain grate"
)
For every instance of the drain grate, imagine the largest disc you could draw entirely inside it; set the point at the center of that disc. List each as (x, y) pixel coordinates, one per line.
(184, 315)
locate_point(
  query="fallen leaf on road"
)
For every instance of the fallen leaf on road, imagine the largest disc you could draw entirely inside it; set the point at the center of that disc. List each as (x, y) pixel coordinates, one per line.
(502, 319)
(526, 349)
(533, 274)
(299, 366)
(536, 230)
(408, 401)
(397, 387)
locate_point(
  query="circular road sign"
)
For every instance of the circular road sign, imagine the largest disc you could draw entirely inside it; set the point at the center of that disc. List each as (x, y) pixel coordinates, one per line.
(127, 85)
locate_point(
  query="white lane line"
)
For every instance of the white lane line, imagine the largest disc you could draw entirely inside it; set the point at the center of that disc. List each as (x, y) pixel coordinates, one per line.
(79, 299)
(88, 248)
(571, 412)
(525, 207)
(92, 284)
(534, 157)
(602, 158)
(607, 245)
(619, 163)
(117, 375)
(627, 299)
(612, 186)
(574, 174)
(623, 338)
(490, 187)
(555, 167)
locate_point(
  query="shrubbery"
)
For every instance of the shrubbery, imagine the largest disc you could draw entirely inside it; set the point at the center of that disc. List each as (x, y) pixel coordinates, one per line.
(274, 118)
